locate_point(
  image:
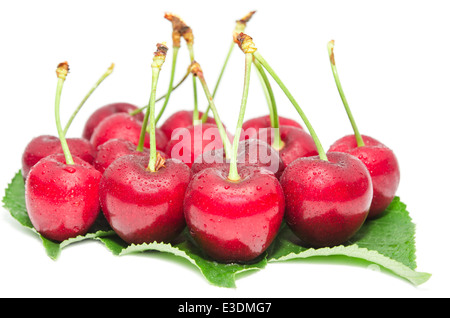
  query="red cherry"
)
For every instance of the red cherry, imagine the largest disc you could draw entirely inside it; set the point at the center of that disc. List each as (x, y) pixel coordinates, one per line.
(251, 152)
(124, 126)
(181, 119)
(234, 213)
(327, 202)
(234, 221)
(142, 196)
(264, 122)
(297, 142)
(45, 145)
(379, 159)
(62, 199)
(113, 149)
(382, 165)
(143, 206)
(190, 142)
(61, 190)
(105, 111)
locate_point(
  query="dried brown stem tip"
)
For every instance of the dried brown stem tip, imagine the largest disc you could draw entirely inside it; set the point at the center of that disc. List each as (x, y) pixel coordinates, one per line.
(242, 23)
(245, 43)
(62, 70)
(246, 18)
(160, 55)
(180, 29)
(160, 161)
(196, 70)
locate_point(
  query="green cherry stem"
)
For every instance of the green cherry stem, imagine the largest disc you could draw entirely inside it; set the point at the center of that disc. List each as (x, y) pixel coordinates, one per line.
(195, 117)
(205, 114)
(359, 140)
(176, 44)
(100, 80)
(222, 71)
(248, 49)
(141, 109)
(61, 72)
(152, 161)
(198, 72)
(158, 61)
(277, 143)
(183, 30)
(265, 90)
(266, 65)
(240, 27)
(172, 75)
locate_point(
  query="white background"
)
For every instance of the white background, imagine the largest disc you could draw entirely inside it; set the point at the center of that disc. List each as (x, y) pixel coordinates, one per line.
(393, 60)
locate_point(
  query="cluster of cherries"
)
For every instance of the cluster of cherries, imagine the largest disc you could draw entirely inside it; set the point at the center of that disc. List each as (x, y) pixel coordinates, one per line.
(232, 192)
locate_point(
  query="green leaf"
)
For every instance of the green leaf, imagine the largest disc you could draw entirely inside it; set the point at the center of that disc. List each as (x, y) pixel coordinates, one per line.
(354, 251)
(393, 234)
(14, 202)
(216, 273)
(388, 241)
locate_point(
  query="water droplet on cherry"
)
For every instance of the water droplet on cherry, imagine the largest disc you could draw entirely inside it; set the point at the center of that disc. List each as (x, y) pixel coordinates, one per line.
(70, 169)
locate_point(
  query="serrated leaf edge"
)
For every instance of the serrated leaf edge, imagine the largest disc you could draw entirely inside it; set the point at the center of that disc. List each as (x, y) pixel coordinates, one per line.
(416, 278)
(169, 248)
(156, 246)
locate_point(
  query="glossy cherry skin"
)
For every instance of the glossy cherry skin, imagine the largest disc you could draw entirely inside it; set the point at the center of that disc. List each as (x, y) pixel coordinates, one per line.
(181, 119)
(45, 145)
(327, 202)
(264, 122)
(62, 200)
(105, 111)
(190, 142)
(251, 152)
(124, 126)
(297, 142)
(113, 149)
(143, 206)
(382, 165)
(234, 221)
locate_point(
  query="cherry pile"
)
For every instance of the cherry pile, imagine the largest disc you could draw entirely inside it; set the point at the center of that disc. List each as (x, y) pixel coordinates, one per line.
(232, 191)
